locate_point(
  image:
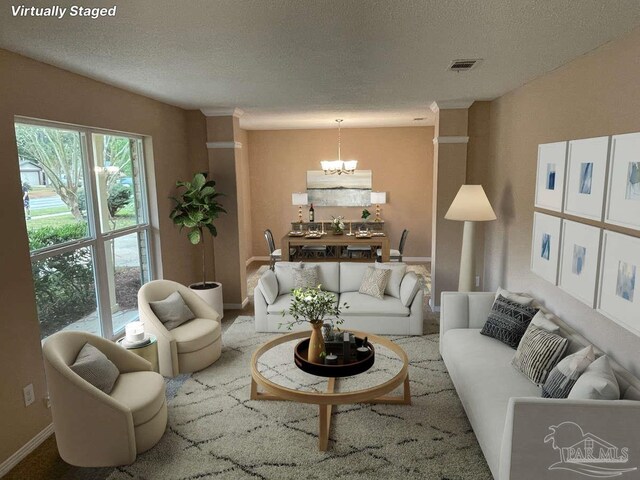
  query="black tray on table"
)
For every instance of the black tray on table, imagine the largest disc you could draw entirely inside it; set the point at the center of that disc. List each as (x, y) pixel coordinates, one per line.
(341, 369)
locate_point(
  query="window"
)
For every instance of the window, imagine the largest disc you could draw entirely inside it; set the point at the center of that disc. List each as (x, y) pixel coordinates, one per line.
(85, 204)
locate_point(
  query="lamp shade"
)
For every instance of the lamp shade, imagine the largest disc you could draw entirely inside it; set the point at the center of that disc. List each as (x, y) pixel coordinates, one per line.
(471, 204)
(379, 198)
(299, 199)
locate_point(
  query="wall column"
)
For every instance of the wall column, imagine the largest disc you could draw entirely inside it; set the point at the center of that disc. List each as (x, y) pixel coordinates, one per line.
(224, 151)
(449, 173)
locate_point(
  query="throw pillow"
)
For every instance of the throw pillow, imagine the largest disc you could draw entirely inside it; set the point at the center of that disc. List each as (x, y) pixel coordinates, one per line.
(514, 297)
(409, 288)
(598, 382)
(395, 280)
(538, 352)
(268, 285)
(172, 311)
(563, 377)
(542, 320)
(508, 320)
(374, 282)
(305, 277)
(94, 367)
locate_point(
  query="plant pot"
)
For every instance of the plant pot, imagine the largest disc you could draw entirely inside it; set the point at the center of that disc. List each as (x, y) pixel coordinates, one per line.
(212, 294)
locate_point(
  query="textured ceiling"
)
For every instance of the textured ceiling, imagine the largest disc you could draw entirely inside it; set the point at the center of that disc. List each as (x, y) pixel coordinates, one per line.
(303, 63)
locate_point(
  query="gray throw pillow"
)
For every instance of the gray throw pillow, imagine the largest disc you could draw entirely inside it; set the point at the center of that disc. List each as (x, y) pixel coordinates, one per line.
(94, 367)
(598, 382)
(305, 277)
(375, 281)
(172, 311)
(268, 285)
(508, 320)
(538, 352)
(564, 376)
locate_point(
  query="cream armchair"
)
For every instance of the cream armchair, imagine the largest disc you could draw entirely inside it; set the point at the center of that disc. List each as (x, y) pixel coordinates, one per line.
(192, 346)
(94, 429)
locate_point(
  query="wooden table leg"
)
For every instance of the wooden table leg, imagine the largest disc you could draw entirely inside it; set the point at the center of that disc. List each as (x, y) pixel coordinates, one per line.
(404, 399)
(386, 250)
(284, 249)
(324, 419)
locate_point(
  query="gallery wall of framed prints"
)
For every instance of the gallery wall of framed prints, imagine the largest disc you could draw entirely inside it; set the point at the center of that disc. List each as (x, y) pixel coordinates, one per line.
(586, 225)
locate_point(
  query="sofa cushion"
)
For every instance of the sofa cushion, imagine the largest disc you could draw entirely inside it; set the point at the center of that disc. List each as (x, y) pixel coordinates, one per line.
(305, 277)
(172, 311)
(538, 352)
(351, 275)
(481, 370)
(395, 279)
(364, 305)
(409, 288)
(268, 285)
(563, 377)
(196, 334)
(598, 382)
(94, 367)
(283, 302)
(508, 320)
(374, 282)
(328, 275)
(142, 392)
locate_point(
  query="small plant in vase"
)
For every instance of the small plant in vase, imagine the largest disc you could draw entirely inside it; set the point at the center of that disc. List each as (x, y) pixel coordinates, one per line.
(337, 225)
(313, 305)
(365, 214)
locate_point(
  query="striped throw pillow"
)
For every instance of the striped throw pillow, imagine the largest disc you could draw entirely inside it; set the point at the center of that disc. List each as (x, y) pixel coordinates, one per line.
(508, 320)
(539, 351)
(564, 376)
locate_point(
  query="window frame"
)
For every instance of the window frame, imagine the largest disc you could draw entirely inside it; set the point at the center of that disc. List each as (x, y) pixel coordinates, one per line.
(96, 240)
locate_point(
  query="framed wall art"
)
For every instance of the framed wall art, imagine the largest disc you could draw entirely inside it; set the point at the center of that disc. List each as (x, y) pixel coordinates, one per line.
(339, 190)
(579, 259)
(619, 294)
(585, 179)
(623, 199)
(545, 247)
(552, 162)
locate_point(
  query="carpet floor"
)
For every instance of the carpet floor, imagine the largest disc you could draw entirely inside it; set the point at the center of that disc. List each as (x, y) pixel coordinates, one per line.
(216, 431)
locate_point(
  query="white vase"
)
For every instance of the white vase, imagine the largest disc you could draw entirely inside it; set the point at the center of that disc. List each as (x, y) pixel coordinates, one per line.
(213, 296)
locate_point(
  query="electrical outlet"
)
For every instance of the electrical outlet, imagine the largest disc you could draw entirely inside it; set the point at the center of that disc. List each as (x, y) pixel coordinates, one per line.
(29, 396)
(477, 280)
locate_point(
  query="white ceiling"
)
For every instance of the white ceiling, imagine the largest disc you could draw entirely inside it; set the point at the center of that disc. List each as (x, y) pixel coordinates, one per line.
(304, 63)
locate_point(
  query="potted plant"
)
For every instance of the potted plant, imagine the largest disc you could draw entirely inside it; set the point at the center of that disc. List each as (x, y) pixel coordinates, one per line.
(195, 209)
(365, 214)
(337, 224)
(313, 305)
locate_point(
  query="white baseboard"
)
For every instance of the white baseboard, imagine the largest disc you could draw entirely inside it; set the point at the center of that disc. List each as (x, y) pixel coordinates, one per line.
(236, 306)
(416, 259)
(25, 450)
(256, 259)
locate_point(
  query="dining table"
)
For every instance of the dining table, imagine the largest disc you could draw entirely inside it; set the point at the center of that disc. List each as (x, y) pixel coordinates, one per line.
(295, 239)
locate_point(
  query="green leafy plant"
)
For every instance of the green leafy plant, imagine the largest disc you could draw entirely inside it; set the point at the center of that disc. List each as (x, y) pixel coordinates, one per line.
(313, 305)
(365, 214)
(196, 209)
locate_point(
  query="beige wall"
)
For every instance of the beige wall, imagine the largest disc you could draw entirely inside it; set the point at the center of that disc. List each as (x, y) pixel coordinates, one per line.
(37, 90)
(401, 160)
(595, 95)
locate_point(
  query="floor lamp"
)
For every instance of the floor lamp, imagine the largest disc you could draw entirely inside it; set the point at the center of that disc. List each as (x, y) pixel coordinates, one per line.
(471, 205)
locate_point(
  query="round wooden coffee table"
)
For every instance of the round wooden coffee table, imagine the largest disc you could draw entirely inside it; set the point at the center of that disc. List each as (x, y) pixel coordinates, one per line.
(376, 392)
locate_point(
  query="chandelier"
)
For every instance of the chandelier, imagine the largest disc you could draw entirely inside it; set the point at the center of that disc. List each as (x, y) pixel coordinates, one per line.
(332, 167)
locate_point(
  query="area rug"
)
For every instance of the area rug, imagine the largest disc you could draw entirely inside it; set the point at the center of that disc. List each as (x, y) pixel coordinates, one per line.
(216, 431)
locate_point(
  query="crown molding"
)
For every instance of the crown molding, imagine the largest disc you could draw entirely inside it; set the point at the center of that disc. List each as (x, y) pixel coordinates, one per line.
(222, 112)
(450, 105)
(438, 140)
(224, 144)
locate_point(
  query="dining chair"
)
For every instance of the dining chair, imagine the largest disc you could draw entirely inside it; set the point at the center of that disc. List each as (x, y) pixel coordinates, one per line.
(362, 250)
(395, 255)
(275, 254)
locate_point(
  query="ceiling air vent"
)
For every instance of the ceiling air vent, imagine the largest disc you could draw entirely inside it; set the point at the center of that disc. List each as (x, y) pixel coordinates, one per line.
(463, 65)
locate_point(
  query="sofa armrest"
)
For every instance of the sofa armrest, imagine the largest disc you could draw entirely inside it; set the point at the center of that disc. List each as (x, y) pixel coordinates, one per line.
(464, 310)
(539, 432)
(260, 310)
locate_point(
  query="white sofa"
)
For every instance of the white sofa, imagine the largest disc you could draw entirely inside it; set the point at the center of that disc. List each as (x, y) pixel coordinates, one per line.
(510, 419)
(385, 316)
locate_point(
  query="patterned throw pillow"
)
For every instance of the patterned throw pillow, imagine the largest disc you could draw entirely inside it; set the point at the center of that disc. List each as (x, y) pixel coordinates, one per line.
(539, 351)
(375, 281)
(508, 320)
(94, 367)
(305, 277)
(564, 376)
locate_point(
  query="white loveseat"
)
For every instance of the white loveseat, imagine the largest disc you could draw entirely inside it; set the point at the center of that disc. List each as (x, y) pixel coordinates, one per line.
(389, 315)
(510, 419)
